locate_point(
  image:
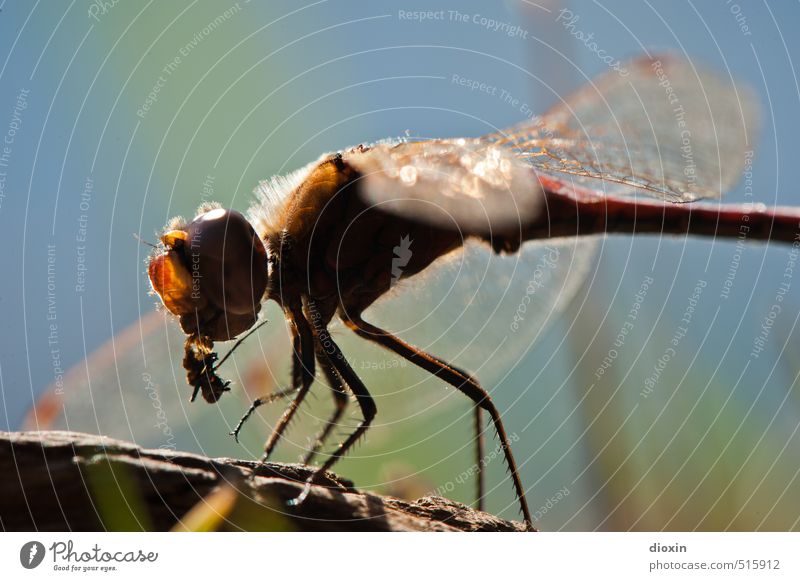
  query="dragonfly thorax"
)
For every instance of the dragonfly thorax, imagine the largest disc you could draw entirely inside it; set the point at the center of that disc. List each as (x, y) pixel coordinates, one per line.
(212, 273)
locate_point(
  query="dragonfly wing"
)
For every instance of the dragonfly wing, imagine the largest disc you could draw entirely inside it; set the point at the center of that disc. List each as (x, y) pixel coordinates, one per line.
(103, 393)
(468, 184)
(134, 387)
(662, 127)
(667, 128)
(485, 311)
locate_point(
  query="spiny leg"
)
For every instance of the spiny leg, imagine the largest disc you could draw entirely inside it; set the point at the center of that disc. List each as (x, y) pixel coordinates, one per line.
(363, 397)
(478, 419)
(259, 401)
(340, 401)
(302, 367)
(461, 381)
(479, 441)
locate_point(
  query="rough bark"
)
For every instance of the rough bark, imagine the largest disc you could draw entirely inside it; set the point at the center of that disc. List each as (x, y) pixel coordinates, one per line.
(62, 481)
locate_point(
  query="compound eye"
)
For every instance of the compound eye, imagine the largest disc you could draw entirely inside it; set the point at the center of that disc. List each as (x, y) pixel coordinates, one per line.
(219, 231)
(229, 260)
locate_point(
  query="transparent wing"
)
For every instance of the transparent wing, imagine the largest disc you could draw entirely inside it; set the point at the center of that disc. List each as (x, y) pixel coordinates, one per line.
(134, 387)
(663, 127)
(667, 129)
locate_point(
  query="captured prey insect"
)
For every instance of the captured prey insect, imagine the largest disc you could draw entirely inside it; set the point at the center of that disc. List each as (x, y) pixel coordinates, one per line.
(622, 155)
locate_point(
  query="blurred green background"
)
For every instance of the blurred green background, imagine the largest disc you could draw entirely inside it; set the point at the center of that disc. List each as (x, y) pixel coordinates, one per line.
(127, 114)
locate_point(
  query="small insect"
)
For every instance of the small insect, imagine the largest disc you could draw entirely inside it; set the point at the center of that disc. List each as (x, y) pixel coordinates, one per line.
(622, 155)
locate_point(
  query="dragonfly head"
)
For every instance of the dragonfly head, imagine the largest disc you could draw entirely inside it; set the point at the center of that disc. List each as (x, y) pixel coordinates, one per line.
(211, 273)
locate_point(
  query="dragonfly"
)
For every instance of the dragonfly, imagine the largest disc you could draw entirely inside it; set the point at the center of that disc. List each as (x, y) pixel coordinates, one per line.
(625, 154)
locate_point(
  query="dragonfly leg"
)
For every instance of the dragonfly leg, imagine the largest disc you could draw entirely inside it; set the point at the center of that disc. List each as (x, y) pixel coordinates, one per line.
(460, 380)
(340, 401)
(302, 373)
(366, 403)
(257, 403)
(238, 343)
(480, 485)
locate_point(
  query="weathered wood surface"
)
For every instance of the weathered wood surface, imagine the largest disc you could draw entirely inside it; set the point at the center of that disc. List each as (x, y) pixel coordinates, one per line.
(49, 483)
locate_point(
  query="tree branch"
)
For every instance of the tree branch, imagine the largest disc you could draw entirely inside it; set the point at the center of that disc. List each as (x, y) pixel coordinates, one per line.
(59, 481)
